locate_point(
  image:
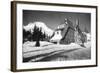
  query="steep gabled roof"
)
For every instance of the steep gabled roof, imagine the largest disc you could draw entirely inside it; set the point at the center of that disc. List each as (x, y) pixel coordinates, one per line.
(68, 25)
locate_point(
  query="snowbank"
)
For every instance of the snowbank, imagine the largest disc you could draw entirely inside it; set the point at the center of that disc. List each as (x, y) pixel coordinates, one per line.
(55, 52)
(30, 50)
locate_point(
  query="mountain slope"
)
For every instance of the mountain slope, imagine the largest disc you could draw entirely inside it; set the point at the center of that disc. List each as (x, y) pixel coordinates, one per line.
(42, 25)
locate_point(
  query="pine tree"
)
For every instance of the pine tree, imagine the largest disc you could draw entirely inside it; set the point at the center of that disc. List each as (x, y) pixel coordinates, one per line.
(26, 35)
(29, 35)
(41, 34)
(34, 33)
(37, 37)
(44, 35)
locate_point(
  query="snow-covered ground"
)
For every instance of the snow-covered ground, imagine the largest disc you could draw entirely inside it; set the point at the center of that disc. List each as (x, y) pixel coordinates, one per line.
(50, 50)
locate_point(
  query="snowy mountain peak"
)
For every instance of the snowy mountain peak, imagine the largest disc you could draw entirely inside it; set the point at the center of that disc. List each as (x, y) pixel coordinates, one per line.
(41, 25)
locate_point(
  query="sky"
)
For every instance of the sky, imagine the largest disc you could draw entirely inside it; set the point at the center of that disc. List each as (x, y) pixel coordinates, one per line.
(53, 19)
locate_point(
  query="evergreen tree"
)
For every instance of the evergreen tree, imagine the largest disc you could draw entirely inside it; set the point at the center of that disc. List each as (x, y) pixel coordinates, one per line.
(41, 34)
(44, 36)
(34, 33)
(37, 37)
(26, 35)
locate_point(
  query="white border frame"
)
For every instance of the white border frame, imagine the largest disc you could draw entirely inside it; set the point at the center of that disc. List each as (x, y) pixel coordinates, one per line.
(21, 65)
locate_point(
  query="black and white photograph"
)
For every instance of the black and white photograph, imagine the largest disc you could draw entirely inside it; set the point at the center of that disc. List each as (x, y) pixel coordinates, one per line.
(53, 36)
(56, 36)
